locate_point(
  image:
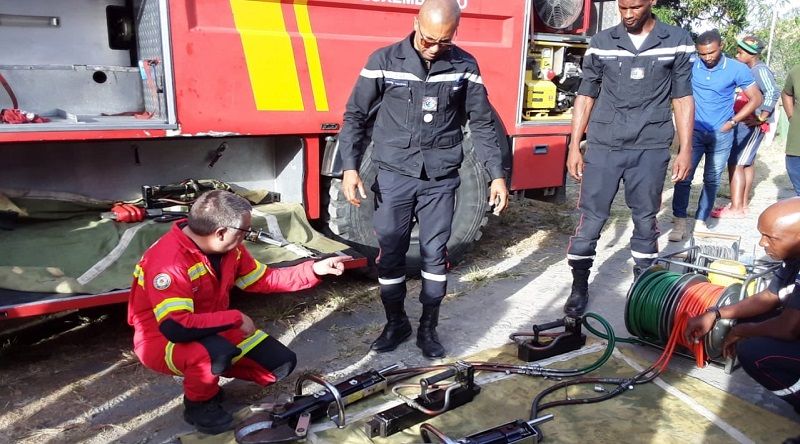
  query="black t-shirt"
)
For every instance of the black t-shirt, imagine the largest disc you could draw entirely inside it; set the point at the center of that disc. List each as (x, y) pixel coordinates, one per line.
(785, 284)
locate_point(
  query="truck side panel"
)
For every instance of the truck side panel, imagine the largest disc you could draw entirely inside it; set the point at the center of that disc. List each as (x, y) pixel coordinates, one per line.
(268, 67)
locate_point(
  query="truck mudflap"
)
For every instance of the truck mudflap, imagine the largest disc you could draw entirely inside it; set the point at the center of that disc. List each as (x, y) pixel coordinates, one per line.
(53, 264)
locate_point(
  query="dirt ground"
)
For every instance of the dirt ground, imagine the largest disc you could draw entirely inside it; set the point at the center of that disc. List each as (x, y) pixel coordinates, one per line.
(75, 379)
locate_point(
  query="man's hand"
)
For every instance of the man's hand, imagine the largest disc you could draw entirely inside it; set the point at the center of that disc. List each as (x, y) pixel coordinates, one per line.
(331, 265)
(247, 327)
(697, 327)
(729, 345)
(498, 195)
(726, 127)
(575, 162)
(682, 164)
(351, 182)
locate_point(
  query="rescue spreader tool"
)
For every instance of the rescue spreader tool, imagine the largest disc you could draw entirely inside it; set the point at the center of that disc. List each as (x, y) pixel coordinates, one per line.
(544, 345)
(516, 432)
(434, 399)
(274, 423)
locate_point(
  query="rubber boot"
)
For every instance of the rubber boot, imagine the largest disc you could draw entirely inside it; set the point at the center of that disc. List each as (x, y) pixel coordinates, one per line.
(679, 230)
(397, 328)
(427, 339)
(579, 297)
(207, 416)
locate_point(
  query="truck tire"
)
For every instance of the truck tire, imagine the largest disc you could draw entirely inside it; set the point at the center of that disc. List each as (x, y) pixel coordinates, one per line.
(353, 225)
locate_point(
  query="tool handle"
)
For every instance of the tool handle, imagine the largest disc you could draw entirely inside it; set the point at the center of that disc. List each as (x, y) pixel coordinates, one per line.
(447, 374)
(548, 326)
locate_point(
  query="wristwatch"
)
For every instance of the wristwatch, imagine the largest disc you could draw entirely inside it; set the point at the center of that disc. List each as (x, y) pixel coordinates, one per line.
(715, 310)
(733, 122)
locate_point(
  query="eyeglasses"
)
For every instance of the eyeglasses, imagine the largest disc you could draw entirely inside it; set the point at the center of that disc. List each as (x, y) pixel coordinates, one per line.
(247, 232)
(428, 42)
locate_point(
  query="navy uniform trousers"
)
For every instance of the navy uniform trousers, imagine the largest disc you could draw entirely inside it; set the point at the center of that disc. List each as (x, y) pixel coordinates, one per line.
(398, 198)
(642, 172)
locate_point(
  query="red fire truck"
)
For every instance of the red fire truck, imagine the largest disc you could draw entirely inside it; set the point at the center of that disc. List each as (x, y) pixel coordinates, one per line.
(108, 95)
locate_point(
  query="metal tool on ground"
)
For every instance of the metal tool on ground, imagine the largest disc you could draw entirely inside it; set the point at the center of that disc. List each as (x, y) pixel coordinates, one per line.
(514, 432)
(433, 399)
(274, 423)
(544, 345)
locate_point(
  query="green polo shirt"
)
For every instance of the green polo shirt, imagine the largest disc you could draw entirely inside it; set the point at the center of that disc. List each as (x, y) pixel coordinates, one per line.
(792, 89)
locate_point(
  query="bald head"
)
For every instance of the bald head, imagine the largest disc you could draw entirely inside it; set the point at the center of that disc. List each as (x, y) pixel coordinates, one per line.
(784, 214)
(435, 26)
(779, 225)
(440, 12)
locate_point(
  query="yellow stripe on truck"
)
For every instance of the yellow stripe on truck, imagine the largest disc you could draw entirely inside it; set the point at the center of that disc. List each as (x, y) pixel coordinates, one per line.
(268, 51)
(312, 55)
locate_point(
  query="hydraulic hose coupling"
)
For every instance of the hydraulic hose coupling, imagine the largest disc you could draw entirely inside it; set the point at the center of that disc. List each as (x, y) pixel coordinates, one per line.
(124, 212)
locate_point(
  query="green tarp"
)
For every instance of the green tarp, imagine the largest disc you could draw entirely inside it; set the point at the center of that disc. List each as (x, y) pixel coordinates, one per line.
(58, 247)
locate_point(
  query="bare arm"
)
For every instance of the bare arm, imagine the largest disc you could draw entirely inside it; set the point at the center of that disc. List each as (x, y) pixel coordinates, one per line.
(788, 104)
(785, 326)
(580, 120)
(755, 98)
(760, 303)
(684, 123)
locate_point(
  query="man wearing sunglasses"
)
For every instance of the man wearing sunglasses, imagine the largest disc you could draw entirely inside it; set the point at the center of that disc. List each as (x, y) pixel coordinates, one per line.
(419, 91)
(179, 306)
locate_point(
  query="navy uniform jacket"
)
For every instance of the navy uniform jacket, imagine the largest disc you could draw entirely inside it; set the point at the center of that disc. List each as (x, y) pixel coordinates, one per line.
(418, 115)
(633, 88)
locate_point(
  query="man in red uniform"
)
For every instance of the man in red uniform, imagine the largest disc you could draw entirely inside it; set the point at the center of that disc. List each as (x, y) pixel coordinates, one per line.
(179, 306)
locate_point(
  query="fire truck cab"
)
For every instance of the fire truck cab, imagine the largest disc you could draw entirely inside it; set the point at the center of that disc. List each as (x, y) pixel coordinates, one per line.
(101, 97)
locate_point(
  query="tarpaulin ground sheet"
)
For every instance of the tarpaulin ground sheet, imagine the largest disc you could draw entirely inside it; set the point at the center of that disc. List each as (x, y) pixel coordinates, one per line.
(82, 253)
(677, 408)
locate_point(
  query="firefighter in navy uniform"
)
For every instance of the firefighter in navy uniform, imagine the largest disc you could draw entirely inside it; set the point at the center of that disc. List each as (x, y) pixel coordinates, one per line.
(631, 74)
(420, 90)
(766, 336)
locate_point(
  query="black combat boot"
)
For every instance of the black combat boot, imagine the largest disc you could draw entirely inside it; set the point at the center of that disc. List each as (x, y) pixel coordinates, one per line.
(579, 297)
(427, 339)
(397, 328)
(640, 267)
(207, 416)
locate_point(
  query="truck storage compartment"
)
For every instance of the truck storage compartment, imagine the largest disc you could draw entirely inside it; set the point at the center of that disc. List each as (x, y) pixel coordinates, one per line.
(85, 65)
(58, 252)
(546, 155)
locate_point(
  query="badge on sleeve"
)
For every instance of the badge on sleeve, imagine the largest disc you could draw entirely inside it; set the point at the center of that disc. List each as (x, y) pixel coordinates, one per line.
(430, 103)
(162, 281)
(637, 73)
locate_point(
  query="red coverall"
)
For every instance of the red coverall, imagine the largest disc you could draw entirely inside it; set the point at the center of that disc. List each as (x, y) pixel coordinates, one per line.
(176, 291)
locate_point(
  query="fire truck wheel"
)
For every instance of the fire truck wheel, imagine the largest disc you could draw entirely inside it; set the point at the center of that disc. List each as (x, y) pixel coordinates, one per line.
(353, 225)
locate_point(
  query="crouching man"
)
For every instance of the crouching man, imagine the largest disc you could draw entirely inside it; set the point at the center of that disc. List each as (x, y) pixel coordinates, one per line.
(766, 338)
(179, 307)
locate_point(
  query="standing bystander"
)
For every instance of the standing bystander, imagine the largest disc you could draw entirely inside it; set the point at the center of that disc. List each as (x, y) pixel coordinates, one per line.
(714, 80)
(791, 101)
(749, 133)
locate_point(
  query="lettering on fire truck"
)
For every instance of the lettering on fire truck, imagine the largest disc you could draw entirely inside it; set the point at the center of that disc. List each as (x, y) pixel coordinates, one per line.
(461, 3)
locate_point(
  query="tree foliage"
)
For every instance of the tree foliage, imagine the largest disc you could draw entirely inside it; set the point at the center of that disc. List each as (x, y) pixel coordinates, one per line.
(785, 50)
(729, 16)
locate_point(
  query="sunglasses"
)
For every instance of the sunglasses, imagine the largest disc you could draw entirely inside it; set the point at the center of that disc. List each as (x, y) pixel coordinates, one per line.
(428, 42)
